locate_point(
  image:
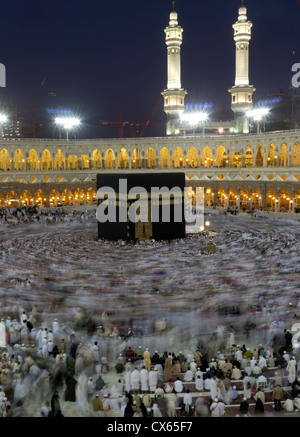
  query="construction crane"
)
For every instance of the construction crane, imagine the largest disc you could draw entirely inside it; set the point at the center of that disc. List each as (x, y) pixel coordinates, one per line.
(122, 123)
(32, 107)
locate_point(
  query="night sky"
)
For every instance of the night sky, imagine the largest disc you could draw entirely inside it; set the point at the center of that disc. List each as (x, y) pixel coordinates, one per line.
(103, 59)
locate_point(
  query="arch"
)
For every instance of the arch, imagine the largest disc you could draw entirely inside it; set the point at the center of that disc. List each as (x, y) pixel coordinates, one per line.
(248, 157)
(285, 200)
(297, 201)
(2, 200)
(283, 156)
(72, 162)
(232, 197)
(271, 199)
(271, 157)
(39, 198)
(192, 158)
(221, 197)
(96, 159)
(91, 196)
(178, 158)
(33, 160)
(26, 198)
(54, 198)
(110, 159)
(123, 159)
(60, 160)
(19, 160)
(284, 177)
(5, 160)
(296, 155)
(221, 158)
(164, 158)
(85, 162)
(244, 199)
(150, 158)
(206, 158)
(256, 198)
(297, 177)
(47, 161)
(236, 160)
(12, 199)
(136, 160)
(79, 197)
(259, 156)
(67, 197)
(209, 196)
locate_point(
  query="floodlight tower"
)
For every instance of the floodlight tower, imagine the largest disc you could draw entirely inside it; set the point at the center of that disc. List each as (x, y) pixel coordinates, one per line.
(174, 94)
(242, 92)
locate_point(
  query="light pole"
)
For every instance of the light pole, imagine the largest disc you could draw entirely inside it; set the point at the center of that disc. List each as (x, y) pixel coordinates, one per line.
(258, 115)
(67, 123)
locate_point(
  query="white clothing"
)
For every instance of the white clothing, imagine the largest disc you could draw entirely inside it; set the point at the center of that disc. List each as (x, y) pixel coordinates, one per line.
(178, 386)
(153, 380)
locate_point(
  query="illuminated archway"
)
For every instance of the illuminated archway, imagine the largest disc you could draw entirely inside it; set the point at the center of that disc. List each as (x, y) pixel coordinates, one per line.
(39, 198)
(96, 159)
(272, 157)
(206, 158)
(285, 201)
(91, 196)
(79, 197)
(209, 197)
(296, 155)
(236, 160)
(232, 197)
(2, 201)
(85, 162)
(271, 200)
(26, 198)
(123, 159)
(150, 158)
(164, 158)
(192, 158)
(178, 158)
(297, 202)
(12, 199)
(136, 160)
(110, 159)
(60, 160)
(33, 160)
(67, 197)
(72, 162)
(259, 157)
(47, 162)
(54, 198)
(19, 160)
(256, 198)
(221, 159)
(221, 197)
(5, 161)
(248, 157)
(244, 200)
(283, 156)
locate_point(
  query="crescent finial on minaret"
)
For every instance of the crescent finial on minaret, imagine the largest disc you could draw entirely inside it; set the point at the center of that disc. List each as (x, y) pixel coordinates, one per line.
(173, 2)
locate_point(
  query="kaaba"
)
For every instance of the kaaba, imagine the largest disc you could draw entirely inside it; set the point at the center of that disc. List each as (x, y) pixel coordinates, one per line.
(155, 212)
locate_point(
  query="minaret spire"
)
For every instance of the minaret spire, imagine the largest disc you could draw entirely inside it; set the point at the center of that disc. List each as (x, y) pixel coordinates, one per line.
(174, 94)
(242, 92)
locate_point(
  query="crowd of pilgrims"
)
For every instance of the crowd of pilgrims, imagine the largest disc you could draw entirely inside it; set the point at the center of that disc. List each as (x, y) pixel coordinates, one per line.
(35, 214)
(52, 372)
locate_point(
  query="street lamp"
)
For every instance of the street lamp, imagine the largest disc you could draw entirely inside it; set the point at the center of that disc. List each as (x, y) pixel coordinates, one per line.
(258, 114)
(67, 123)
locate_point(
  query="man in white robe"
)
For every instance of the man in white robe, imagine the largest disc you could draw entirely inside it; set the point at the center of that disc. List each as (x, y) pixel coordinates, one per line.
(153, 380)
(213, 387)
(144, 374)
(291, 369)
(2, 333)
(178, 386)
(135, 378)
(188, 376)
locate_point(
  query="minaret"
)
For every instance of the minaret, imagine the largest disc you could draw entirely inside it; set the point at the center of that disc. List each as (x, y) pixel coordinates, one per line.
(174, 95)
(241, 92)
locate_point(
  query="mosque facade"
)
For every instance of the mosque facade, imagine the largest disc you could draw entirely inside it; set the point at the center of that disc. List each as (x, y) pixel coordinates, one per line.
(245, 170)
